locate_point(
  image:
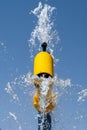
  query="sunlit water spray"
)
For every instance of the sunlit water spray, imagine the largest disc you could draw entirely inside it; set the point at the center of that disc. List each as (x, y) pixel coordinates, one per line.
(44, 31)
(24, 83)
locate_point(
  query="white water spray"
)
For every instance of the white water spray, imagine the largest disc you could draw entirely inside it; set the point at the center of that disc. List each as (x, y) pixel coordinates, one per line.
(44, 30)
(82, 95)
(13, 115)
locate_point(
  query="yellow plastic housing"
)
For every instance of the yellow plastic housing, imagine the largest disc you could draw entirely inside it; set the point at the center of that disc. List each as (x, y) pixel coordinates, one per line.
(36, 102)
(43, 63)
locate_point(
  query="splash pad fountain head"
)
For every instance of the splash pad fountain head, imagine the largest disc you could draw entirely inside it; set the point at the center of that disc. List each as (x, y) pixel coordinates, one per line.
(43, 68)
(43, 62)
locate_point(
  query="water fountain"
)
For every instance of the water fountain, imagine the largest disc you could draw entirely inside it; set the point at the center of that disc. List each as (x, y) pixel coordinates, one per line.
(44, 99)
(43, 78)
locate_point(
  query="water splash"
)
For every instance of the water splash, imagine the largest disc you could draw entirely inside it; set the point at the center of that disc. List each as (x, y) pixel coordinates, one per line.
(25, 81)
(82, 95)
(10, 91)
(13, 115)
(3, 47)
(44, 27)
(44, 30)
(59, 88)
(3, 51)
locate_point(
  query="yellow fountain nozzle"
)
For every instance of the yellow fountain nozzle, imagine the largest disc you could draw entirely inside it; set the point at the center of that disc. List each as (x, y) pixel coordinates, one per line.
(43, 63)
(51, 102)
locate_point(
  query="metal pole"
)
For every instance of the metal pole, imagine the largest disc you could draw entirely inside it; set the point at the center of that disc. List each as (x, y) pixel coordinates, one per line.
(44, 121)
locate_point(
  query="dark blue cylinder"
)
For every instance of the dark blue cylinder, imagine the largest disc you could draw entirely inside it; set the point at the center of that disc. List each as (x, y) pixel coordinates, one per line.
(44, 121)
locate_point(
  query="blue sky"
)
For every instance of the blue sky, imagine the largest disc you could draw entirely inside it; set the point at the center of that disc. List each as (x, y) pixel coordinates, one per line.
(16, 25)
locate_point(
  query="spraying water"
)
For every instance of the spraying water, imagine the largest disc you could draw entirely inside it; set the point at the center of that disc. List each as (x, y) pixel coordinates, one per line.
(44, 31)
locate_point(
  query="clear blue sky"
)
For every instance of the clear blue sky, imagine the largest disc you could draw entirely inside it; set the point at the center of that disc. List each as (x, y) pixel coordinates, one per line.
(16, 25)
